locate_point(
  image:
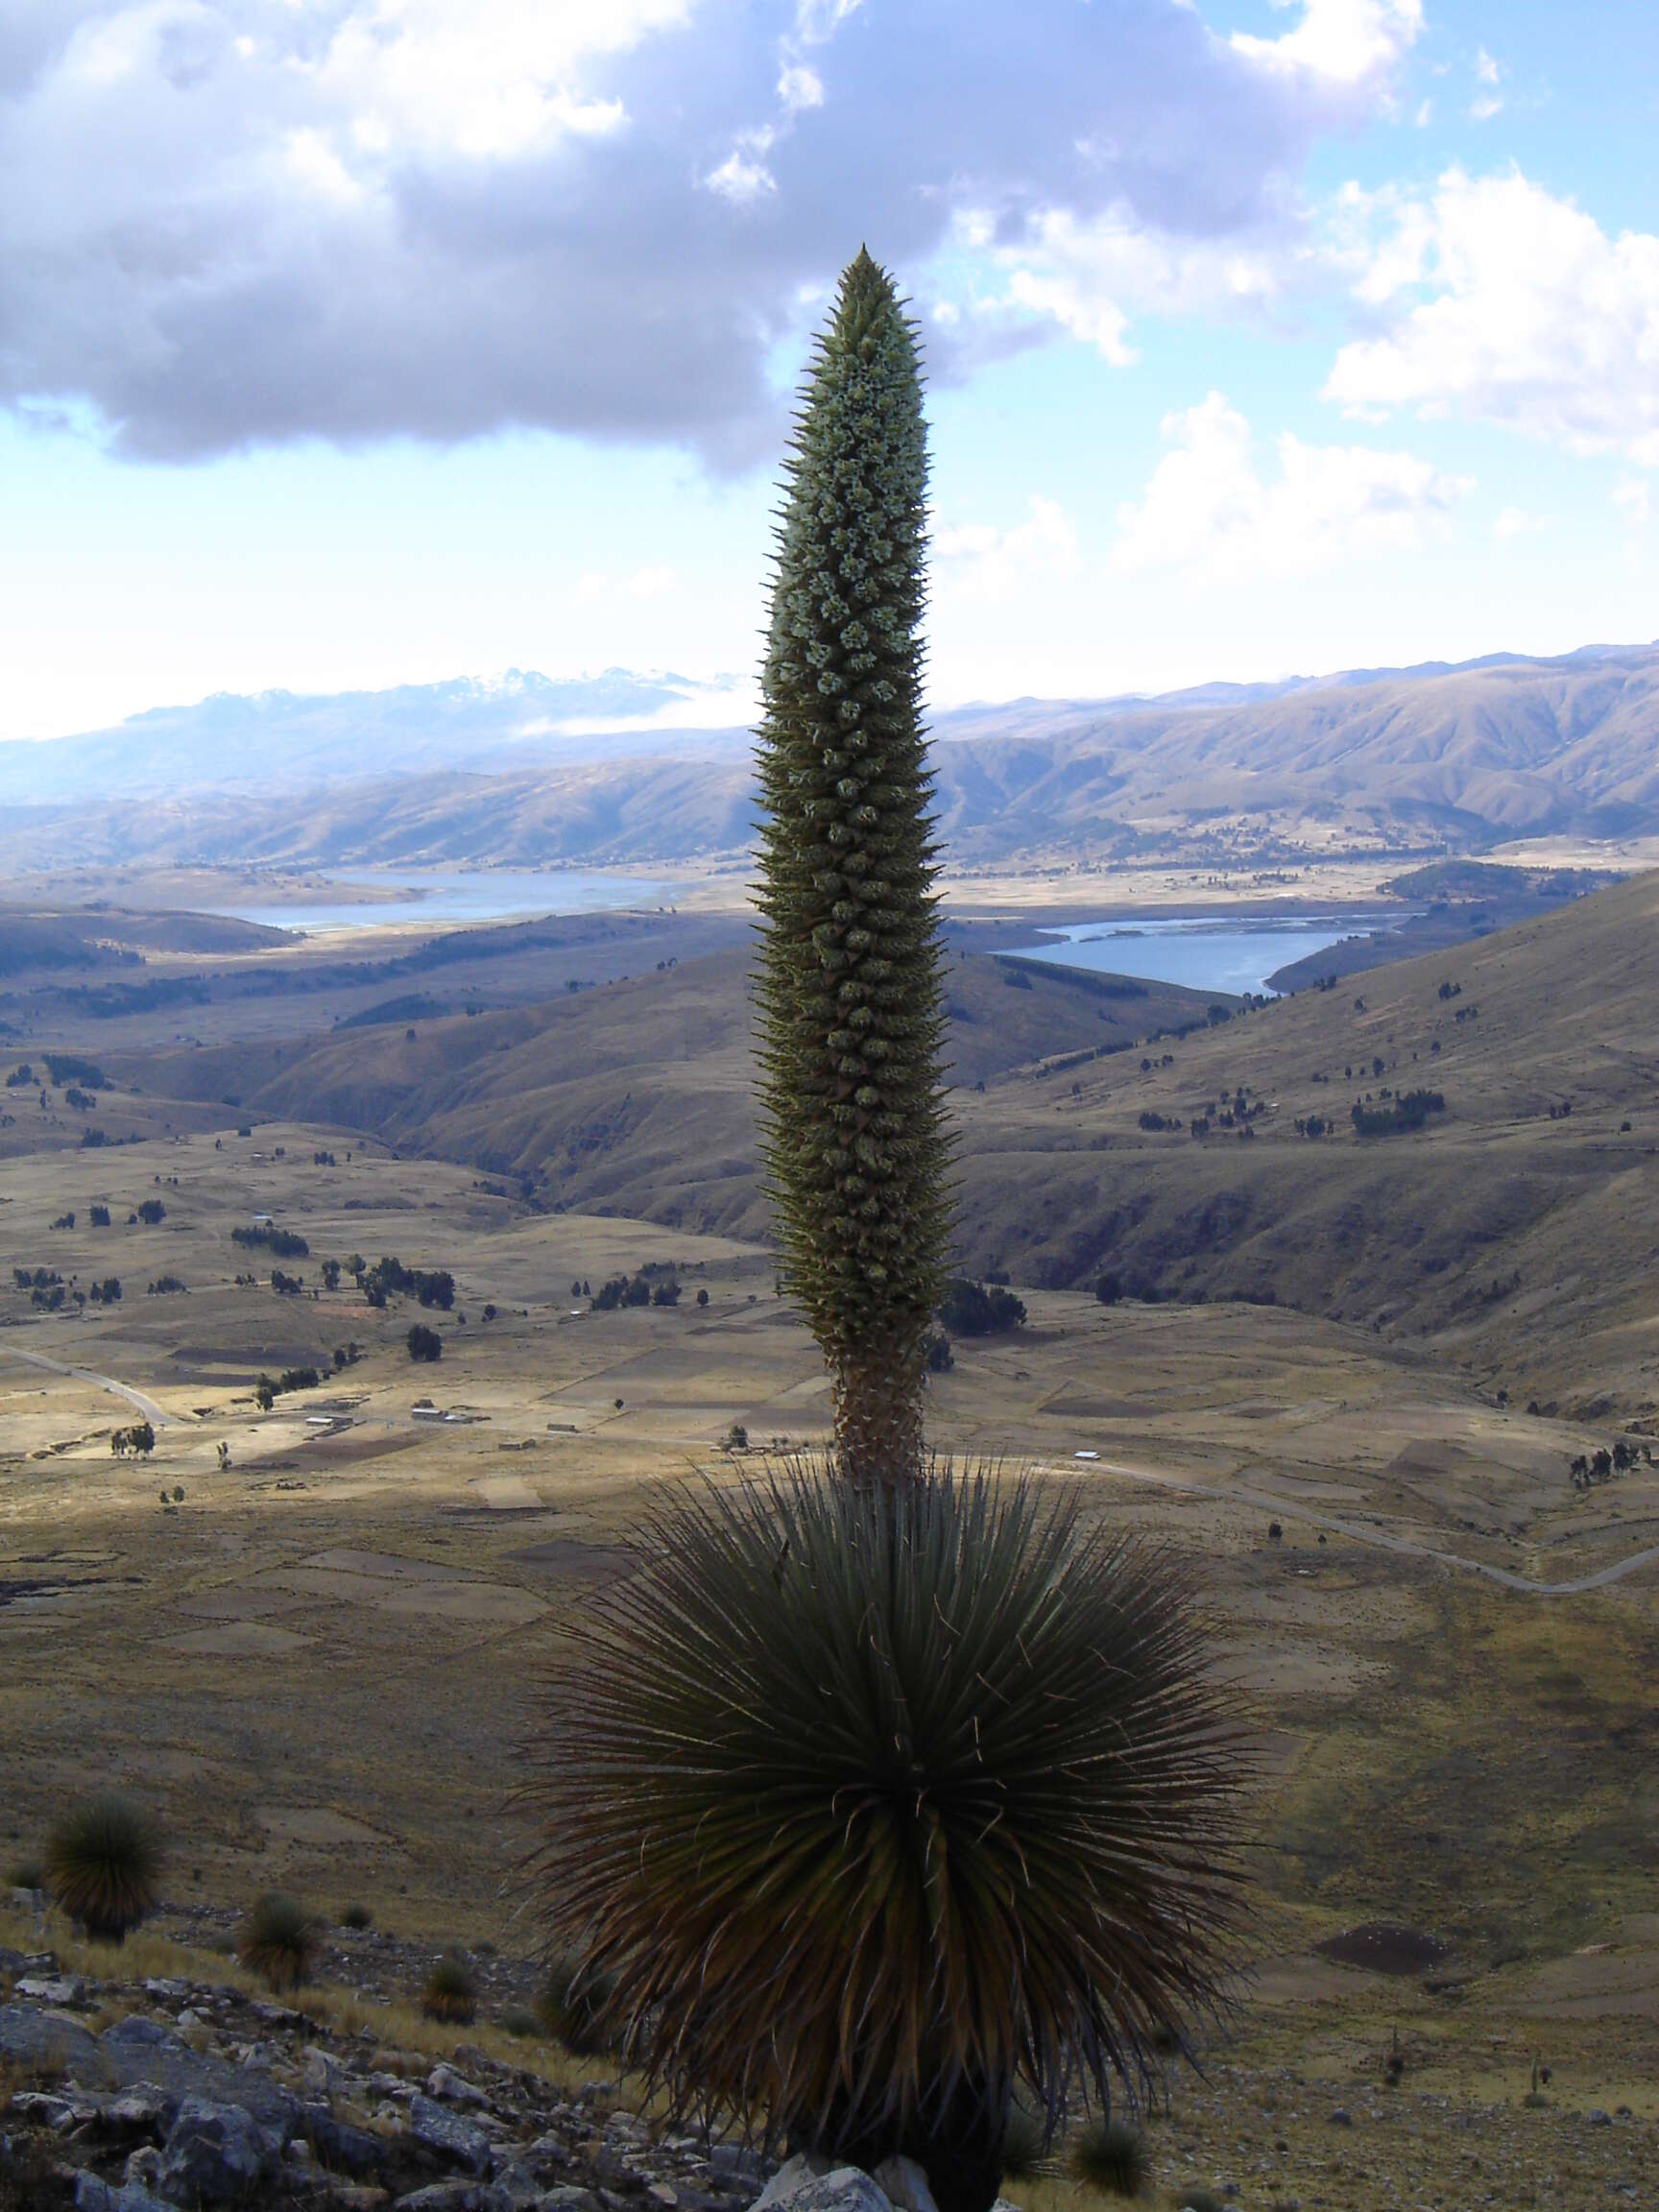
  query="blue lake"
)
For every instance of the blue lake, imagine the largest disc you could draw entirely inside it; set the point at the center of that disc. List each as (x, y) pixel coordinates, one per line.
(449, 895)
(1205, 951)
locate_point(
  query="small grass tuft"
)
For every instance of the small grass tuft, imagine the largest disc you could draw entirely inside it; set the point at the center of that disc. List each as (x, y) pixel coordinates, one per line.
(1192, 2199)
(1026, 2155)
(1111, 2155)
(449, 1993)
(519, 2021)
(358, 1916)
(102, 1865)
(25, 1874)
(277, 1940)
(574, 2006)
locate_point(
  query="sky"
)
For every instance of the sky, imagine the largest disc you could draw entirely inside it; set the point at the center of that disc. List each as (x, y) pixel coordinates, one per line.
(351, 343)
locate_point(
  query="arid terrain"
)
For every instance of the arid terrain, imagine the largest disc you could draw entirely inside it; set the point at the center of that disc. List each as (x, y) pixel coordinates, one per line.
(320, 1662)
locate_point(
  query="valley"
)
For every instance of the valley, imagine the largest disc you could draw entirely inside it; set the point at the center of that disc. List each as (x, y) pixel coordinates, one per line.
(1333, 1374)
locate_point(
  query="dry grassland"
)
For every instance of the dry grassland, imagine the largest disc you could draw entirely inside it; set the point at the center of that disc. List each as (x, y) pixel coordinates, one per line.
(319, 1663)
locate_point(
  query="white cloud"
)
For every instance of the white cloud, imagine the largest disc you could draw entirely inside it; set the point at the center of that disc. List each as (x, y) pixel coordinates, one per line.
(1488, 101)
(439, 219)
(1515, 522)
(1344, 42)
(490, 80)
(743, 177)
(1088, 277)
(985, 561)
(799, 87)
(1514, 306)
(1633, 497)
(1207, 505)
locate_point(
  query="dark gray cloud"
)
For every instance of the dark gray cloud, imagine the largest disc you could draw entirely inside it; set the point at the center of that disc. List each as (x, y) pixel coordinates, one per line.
(253, 221)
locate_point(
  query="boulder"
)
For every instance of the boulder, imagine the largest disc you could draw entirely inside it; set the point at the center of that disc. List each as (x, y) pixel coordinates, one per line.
(794, 2174)
(139, 2051)
(36, 2042)
(94, 2196)
(215, 2154)
(452, 2088)
(341, 2147)
(809, 2184)
(904, 2184)
(462, 2142)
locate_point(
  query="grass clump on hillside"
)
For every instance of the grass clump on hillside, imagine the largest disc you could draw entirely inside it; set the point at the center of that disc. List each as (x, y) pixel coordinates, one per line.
(450, 1992)
(103, 1864)
(278, 1940)
(576, 2007)
(1110, 2156)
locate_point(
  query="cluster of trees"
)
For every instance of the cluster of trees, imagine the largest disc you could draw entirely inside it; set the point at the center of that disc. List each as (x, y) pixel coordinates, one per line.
(107, 1292)
(970, 1309)
(389, 1278)
(151, 1210)
(1410, 1110)
(99, 1216)
(69, 1068)
(139, 1439)
(281, 1243)
(425, 1345)
(1591, 1468)
(165, 1287)
(265, 1392)
(637, 1290)
(286, 1286)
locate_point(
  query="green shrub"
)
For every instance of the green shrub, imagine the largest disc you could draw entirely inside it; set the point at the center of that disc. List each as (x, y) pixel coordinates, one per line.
(277, 1940)
(449, 1993)
(358, 1916)
(576, 2007)
(1195, 2199)
(103, 1864)
(1111, 2155)
(837, 1763)
(25, 1874)
(517, 2020)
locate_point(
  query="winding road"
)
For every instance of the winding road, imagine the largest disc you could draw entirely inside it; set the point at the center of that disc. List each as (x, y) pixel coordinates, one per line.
(154, 1414)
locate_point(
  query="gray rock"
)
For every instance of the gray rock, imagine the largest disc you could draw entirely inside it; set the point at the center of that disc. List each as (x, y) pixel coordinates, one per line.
(794, 2174)
(215, 2154)
(442, 2197)
(137, 2051)
(567, 2198)
(324, 2075)
(1342, 2119)
(345, 2148)
(94, 2196)
(905, 2185)
(38, 2042)
(452, 2088)
(460, 2141)
(49, 1988)
(511, 2189)
(827, 2189)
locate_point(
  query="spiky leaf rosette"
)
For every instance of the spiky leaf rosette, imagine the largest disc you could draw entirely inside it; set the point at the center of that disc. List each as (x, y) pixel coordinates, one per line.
(876, 1803)
(103, 1864)
(852, 1015)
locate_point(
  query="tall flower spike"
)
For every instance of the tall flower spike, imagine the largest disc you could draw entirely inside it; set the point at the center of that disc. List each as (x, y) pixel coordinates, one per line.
(854, 1139)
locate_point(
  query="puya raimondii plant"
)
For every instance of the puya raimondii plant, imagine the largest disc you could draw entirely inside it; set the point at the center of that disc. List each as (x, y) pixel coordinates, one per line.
(851, 1010)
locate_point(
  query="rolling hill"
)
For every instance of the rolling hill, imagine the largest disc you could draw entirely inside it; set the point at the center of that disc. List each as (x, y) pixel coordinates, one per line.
(1531, 1191)
(1417, 761)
